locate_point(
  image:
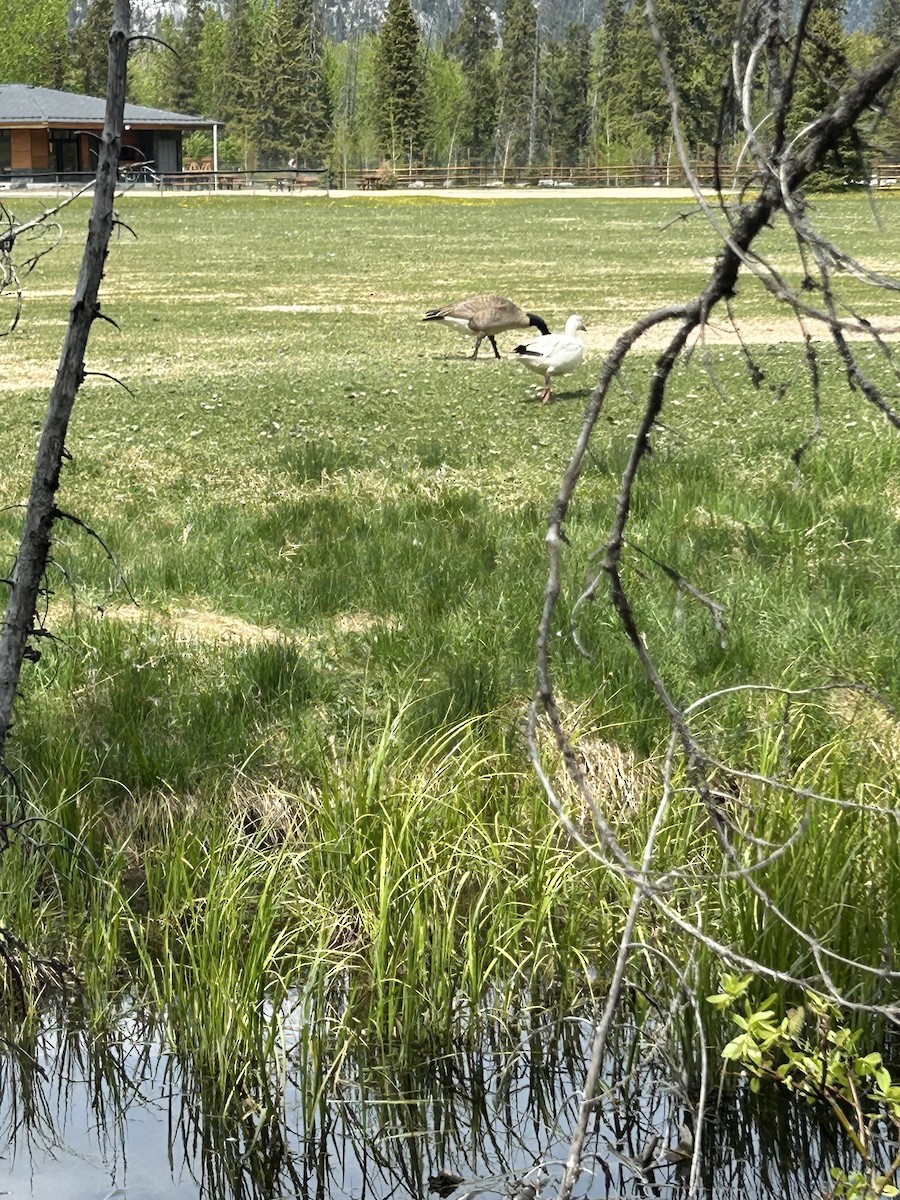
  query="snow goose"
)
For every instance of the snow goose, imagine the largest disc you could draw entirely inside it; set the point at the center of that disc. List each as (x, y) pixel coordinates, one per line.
(553, 354)
(484, 316)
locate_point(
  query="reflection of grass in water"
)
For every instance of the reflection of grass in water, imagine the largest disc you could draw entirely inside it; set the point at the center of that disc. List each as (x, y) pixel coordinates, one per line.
(351, 520)
(487, 1111)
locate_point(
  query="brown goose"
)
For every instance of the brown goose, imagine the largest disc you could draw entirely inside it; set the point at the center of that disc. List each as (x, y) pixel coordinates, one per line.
(484, 316)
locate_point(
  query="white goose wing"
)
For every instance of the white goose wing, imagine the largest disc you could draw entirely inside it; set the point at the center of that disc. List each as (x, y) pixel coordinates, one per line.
(556, 352)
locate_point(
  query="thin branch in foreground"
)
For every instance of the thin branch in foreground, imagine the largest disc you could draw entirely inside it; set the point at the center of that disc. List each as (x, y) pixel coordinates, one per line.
(716, 610)
(42, 512)
(59, 514)
(781, 167)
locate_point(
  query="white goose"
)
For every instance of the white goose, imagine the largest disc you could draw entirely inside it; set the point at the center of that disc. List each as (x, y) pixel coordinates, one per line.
(484, 316)
(553, 354)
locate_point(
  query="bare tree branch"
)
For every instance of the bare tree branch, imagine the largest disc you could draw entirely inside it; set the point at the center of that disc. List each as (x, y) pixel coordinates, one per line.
(18, 623)
(781, 163)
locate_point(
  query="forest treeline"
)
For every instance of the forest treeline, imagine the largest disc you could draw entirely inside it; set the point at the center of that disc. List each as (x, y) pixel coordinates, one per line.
(497, 93)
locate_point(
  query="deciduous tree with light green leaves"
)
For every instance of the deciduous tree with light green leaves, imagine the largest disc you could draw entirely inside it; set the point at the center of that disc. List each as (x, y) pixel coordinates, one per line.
(608, 109)
(211, 54)
(350, 71)
(33, 42)
(446, 108)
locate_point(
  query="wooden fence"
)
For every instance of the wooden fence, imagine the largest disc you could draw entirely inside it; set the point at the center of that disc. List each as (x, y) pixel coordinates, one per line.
(885, 175)
(626, 175)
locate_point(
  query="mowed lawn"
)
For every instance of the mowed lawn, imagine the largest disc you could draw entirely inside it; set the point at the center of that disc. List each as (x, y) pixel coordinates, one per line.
(323, 508)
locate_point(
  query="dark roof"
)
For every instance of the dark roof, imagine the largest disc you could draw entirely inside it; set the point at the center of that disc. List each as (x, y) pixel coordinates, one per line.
(21, 104)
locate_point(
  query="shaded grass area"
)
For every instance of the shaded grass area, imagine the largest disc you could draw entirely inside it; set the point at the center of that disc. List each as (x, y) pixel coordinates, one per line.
(339, 790)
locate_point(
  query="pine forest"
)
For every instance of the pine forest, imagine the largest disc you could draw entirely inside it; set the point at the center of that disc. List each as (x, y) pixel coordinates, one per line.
(396, 85)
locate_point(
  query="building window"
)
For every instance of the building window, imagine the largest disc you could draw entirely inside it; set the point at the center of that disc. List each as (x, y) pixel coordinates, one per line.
(64, 153)
(5, 151)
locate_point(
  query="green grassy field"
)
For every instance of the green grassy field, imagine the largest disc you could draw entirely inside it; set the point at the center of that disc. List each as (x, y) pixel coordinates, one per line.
(333, 524)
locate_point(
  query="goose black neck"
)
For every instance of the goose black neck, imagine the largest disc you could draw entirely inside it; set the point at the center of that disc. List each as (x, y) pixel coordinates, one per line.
(537, 322)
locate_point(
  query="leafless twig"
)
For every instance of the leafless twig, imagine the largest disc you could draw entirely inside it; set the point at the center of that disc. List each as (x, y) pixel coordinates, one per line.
(780, 161)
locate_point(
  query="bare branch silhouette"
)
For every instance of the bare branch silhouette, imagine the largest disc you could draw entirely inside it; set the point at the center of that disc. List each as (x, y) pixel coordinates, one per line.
(775, 163)
(41, 513)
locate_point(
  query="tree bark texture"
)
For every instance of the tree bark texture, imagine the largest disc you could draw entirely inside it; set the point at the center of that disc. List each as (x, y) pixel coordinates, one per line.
(41, 512)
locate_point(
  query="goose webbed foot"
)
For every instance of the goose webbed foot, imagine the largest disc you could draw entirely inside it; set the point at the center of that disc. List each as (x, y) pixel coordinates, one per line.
(494, 344)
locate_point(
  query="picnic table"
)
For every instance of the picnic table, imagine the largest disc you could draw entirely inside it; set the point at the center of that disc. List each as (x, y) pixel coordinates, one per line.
(187, 179)
(288, 183)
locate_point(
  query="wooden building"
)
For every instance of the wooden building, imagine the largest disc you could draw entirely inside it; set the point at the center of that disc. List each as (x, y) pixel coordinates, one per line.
(50, 135)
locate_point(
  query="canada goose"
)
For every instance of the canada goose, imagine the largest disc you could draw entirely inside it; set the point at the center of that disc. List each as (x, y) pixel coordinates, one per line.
(553, 354)
(483, 316)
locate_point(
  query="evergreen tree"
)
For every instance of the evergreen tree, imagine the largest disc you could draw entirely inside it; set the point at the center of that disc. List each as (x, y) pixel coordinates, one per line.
(400, 84)
(89, 50)
(293, 116)
(240, 93)
(699, 37)
(643, 110)
(631, 106)
(886, 25)
(178, 73)
(518, 82)
(568, 77)
(474, 45)
(184, 93)
(823, 71)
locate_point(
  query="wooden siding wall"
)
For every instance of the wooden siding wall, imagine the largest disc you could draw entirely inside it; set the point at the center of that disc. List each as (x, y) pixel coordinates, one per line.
(20, 149)
(40, 150)
(29, 149)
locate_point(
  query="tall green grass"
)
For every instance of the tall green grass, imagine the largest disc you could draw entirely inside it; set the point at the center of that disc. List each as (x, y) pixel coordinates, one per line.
(298, 770)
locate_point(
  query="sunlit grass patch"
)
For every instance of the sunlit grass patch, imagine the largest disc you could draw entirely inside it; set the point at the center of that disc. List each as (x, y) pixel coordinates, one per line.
(327, 517)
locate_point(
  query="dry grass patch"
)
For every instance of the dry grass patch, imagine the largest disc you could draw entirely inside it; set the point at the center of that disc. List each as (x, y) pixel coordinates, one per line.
(215, 628)
(198, 625)
(362, 622)
(756, 331)
(615, 782)
(874, 723)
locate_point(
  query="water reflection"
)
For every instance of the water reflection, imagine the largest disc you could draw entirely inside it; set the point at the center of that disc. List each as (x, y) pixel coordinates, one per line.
(84, 1116)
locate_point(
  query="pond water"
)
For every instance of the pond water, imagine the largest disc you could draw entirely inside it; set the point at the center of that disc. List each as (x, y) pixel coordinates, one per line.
(83, 1119)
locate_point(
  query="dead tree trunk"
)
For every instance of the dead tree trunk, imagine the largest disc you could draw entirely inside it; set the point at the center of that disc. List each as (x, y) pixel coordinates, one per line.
(535, 91)
(41, 513)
